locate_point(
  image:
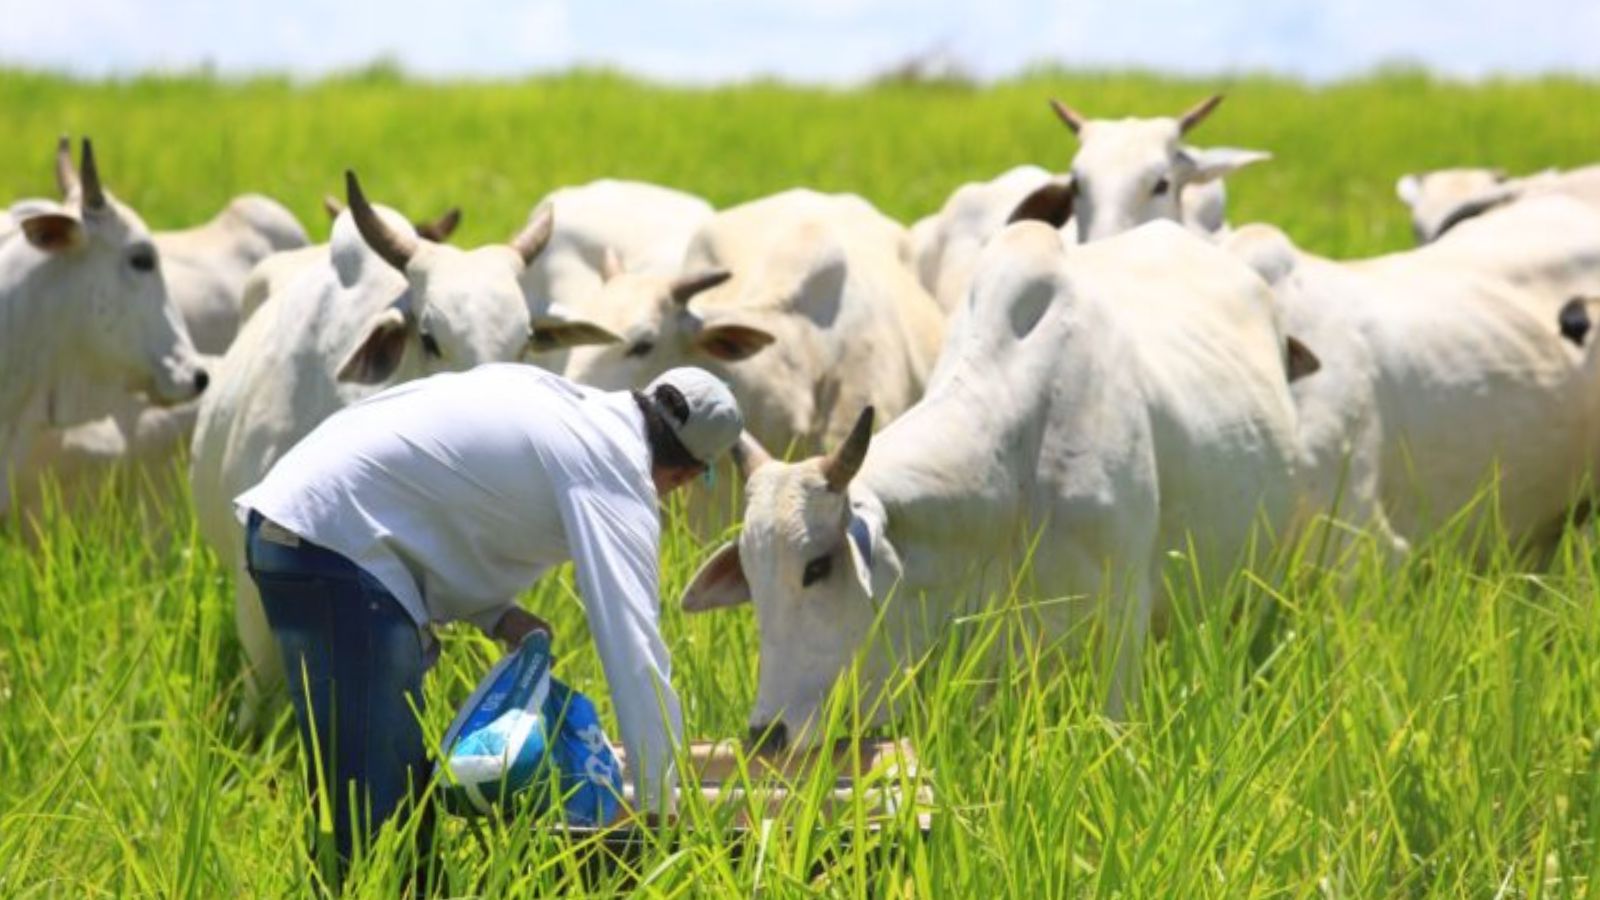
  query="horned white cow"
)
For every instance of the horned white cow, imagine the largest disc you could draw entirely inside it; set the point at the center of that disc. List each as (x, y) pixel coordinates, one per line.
(1101, 407)
(386, 308)
(801, 301)
(1444, 198)
(82, 300)
(272, 275)
(1456, 344)
(1130, 171)
(204, 269)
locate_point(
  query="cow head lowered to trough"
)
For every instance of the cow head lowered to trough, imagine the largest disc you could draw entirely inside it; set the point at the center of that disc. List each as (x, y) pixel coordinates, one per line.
(461, 308)
(91, 260)
(806, 559)
(1131, 171)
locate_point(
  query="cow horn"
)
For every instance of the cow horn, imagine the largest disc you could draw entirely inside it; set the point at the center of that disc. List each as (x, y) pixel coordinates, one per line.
(440, 229)
(842, 464)
(1074, 119)
(66, 175)
(1198, 113)
(396, 249)
(749, 455)
(531, 239)
(332, 205)
(684, 289)
(94, 196)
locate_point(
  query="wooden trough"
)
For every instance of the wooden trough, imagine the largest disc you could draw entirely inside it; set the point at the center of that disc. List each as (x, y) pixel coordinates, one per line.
(748, 796)
(879, 778)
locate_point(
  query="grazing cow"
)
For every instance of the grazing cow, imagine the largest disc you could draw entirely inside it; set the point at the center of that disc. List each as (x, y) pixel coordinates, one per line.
(387, 307)
(1131, 171)
(801, 301)
(1455, 352)
(82, 300)
(1100, 408)
(1443, 199)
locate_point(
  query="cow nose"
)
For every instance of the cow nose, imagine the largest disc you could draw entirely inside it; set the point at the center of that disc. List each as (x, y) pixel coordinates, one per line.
(201, 379)
(768, 738)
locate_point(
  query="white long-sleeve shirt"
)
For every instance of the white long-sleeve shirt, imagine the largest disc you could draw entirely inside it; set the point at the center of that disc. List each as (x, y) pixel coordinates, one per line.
(459, 490)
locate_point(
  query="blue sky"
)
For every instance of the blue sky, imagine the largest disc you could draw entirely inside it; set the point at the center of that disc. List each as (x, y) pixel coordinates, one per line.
(830, 41)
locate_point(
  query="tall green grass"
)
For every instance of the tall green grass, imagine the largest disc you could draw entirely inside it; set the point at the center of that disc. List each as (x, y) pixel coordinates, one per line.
(177, 148)
(1325, 729)
(1429, 730)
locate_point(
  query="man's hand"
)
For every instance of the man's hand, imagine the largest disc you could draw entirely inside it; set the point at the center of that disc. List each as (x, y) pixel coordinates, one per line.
(517, 624)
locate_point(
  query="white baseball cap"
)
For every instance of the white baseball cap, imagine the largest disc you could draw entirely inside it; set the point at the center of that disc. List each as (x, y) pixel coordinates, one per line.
(714, 421)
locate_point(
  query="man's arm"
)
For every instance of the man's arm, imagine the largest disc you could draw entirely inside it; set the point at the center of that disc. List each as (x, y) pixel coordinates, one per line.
(615, 543)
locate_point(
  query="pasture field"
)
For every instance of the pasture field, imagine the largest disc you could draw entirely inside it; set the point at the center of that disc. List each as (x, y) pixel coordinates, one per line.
(1327, 729)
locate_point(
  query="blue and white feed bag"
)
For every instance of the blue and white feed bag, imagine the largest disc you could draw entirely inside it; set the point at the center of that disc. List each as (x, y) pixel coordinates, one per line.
(523, 731)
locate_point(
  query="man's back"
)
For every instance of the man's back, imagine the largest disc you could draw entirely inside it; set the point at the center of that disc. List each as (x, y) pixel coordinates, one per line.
(451, 490)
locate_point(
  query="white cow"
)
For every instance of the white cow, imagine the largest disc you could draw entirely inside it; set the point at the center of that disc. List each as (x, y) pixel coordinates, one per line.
(801, 301)
(272, 275)
(206, 266)
(1101, 407)
(387, 308)
(602, 227)
(1444, 198)
(1131, 171)
(204, 269)
(82, 300)
(1136, 167)
(1455, 352)
(945, 245)
(646, 228)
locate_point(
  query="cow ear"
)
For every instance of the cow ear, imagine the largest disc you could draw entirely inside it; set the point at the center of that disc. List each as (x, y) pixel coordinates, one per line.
(1209, 163)
(1050, 203)
(378, 356)
(52, 232)
(1299, 359)
(732, 342)
(552, 333)
(862, 536)
(720, 582)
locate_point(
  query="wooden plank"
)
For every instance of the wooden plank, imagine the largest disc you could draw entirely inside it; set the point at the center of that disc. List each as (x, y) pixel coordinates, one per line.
(887, 769)
(715, 762)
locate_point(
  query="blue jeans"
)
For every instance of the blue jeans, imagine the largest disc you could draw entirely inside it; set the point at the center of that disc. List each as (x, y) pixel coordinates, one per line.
(355, 661)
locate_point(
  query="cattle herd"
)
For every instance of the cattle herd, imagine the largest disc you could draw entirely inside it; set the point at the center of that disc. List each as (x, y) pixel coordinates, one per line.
(1077, 374)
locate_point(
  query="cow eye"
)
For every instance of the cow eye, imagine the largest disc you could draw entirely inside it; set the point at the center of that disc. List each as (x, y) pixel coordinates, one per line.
(142, 259)
(1161, 187)
(816, 570)
(430, 345)
(641, 348)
